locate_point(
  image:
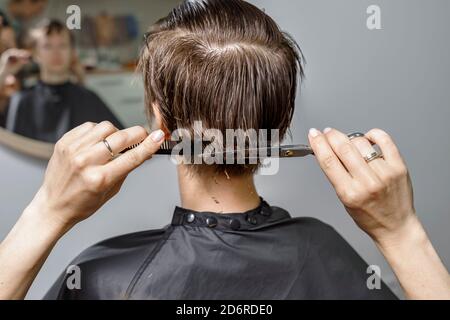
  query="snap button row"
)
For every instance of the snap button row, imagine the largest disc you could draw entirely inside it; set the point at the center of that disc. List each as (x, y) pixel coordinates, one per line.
(252, 220)
(190, 217)
(235, 224)
(211, 222)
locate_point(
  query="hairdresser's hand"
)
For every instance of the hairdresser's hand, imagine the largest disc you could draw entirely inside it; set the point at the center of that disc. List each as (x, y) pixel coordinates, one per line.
(81, 176)
(12, 61)
(378, 195)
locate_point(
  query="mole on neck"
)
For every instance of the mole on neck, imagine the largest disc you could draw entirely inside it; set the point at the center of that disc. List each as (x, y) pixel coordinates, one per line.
(217, 192)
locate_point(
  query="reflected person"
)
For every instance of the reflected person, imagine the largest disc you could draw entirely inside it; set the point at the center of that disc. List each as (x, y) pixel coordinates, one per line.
(55, 105)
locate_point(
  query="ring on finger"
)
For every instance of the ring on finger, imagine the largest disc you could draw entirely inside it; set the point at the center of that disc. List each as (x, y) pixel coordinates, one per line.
(372, 156)
(106, 143)
(355, 135)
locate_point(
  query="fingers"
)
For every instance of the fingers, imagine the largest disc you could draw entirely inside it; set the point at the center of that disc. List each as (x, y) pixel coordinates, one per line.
(363, 145)
(365, 148)
(95, 135)
(130, 160)
(15, 58)
(390, 152)
(17, 55)
(118, 141)
(350, 156)
(328, 161)
(77, 132)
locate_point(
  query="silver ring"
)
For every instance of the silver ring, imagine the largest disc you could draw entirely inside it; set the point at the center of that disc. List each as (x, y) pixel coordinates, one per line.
(109, 148)
(355, 135)
(372, 156)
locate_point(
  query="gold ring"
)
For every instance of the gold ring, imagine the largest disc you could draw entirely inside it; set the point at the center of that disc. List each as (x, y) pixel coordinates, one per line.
(109, 148)
(372, 156)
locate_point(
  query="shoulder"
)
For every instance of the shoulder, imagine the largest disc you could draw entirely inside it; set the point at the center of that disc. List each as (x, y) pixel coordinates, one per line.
(107, 267)
(324, 240)
(29, 89)
(83, 91)
(20, 104)
(304, 227)
(319, 232)
(306, 234)
(26, 93)
(120, 245)
(334, 264)
(314, 235)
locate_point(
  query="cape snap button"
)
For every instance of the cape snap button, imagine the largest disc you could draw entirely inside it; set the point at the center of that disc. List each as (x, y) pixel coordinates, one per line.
(252, 220)
(190, 217)
(235, 224)
(211, 222)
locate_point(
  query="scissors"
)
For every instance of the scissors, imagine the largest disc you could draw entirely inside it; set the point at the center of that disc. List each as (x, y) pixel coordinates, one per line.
(281, 151)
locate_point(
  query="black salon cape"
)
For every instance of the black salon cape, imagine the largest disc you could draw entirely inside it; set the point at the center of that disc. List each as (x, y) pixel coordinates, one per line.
(262, 253)
(45, 112)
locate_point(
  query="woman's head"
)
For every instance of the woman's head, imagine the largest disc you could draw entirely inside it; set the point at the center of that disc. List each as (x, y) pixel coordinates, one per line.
(224, 63)
(53, 45)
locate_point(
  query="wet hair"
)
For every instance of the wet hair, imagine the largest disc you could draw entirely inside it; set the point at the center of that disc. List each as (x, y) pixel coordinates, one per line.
(46, 28)
(225, 63)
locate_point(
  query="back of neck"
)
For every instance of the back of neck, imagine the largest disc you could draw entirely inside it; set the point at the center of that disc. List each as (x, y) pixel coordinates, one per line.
(219, 193)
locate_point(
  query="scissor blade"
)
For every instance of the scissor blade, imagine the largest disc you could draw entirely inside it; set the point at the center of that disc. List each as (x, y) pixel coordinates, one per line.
(284, 151)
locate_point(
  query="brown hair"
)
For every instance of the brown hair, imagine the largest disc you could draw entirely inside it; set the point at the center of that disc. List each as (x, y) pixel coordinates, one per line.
(224, 62)
(46, 28)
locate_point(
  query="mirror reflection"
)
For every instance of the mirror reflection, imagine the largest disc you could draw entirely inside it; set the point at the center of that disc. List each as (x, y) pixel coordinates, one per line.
(55, 76)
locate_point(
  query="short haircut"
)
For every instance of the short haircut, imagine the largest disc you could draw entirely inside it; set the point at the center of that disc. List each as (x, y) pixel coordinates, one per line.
(46, 28)
(224, 62)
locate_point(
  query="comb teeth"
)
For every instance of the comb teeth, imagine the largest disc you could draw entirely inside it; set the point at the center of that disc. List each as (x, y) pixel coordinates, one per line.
(130, 148)
(165, 145)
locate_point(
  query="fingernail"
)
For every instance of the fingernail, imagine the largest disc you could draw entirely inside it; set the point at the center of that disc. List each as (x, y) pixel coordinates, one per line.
(313, 132)
(327, 129)
(157, 135)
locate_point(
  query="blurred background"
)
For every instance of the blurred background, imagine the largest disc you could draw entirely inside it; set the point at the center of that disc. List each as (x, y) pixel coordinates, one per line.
(107, 45)
(395, 78)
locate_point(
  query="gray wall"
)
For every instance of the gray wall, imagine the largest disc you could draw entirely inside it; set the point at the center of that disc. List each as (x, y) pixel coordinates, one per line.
(395, 78)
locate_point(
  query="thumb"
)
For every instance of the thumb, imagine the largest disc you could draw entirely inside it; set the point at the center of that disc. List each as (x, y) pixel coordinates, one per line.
(133, 158)
(152, 143)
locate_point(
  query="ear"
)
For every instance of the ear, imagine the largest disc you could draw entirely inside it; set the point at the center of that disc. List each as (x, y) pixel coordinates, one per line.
(158, 119)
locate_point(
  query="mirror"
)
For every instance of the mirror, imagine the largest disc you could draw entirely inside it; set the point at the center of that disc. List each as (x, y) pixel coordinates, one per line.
(64, 63)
